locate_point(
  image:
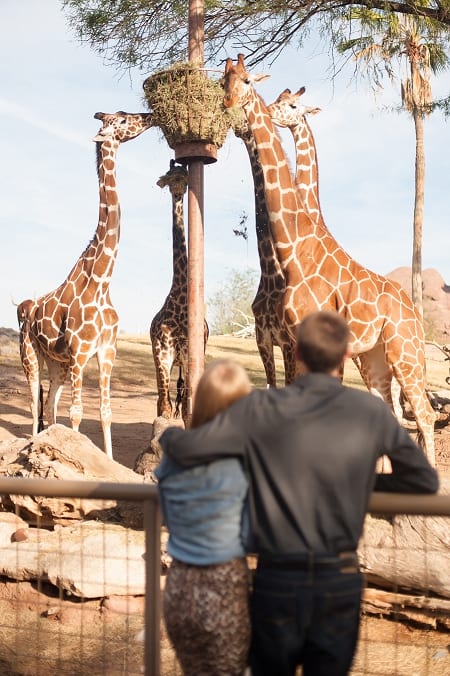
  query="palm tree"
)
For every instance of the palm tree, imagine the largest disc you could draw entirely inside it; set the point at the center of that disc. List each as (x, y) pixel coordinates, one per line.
(387, 40)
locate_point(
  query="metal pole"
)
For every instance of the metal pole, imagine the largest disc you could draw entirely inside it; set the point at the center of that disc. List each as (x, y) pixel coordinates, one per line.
(152, 647)
(196, 311)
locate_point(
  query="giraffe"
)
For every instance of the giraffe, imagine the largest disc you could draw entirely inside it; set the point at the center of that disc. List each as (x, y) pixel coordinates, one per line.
(169, 327)
(67, 326)
(319, 274)
(287, 111)
(268, 328)
(25, 311)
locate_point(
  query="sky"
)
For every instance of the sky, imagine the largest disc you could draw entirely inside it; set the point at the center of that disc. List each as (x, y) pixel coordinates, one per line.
(51, 88)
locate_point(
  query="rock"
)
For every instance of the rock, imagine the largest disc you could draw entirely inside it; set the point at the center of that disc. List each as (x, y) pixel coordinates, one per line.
(60, 453)
(411, 552)
(20, 535)
(124, 605)
(87, 560)
(9, 524)
(160, 424)
(77, 555)
(436, 299)
(149, 459)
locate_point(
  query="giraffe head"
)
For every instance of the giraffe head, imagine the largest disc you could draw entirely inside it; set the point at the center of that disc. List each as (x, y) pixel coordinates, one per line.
(287, 111)
(238, 83)
(176, 178)
(121, 126)
(25, 311)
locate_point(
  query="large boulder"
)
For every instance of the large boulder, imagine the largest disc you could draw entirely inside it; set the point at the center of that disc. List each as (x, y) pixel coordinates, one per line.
(408, 551)
(149, 458)
(436, 299)
(86, 548)
(60, 453)
(89, 559)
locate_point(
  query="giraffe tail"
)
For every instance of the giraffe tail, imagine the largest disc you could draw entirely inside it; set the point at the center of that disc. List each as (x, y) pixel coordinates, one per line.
(41, 409)
(180, 393)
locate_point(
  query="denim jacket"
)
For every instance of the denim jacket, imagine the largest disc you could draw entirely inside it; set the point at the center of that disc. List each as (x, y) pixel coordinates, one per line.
(203, 509)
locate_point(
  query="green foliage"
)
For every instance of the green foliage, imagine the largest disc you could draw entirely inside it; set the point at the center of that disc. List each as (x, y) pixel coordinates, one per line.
(151, 34)
(380, 41)
(230, 308)
(442, 105)
(385, 42)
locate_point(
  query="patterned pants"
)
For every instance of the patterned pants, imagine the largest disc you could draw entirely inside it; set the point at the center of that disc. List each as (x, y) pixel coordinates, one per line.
(207, 617)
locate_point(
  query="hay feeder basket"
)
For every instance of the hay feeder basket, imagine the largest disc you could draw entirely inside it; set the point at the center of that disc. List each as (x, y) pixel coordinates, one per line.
(187, 106)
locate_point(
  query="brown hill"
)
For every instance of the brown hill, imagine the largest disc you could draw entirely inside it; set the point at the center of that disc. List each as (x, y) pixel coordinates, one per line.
(436, 301)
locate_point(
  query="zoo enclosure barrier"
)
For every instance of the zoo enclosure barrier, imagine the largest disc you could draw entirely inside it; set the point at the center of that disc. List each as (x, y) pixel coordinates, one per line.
(380, 504)
(147, 496)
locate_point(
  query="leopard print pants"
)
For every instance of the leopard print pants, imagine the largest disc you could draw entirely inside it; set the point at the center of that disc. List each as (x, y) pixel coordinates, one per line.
(207, 617)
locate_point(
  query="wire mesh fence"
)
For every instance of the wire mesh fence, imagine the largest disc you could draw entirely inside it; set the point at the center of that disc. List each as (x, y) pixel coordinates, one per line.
(85, 597)
(405, 556)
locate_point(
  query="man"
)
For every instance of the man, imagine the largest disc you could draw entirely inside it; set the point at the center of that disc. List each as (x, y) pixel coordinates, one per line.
(310, 451)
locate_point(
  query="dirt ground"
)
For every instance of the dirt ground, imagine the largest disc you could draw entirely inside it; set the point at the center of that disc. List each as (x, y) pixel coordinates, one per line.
(133, 405)
(133, 400)
(385, 647)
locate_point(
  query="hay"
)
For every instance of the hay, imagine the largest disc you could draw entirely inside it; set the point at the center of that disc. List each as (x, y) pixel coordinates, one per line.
(187, 105)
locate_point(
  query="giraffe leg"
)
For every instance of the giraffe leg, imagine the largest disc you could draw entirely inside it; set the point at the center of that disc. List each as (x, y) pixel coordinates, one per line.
(57, 372)
(105, 360)
(422, 410)
(163, 356)
(76, 382)
(376, 373)
(181, 389)
(32, 366)
(396, 392)
(265, 349)
(407, 361)
(290, 362)
(35, 388)
(185, 413)
(377, 377)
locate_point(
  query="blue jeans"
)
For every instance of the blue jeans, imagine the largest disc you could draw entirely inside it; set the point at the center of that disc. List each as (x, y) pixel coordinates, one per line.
(306, 617)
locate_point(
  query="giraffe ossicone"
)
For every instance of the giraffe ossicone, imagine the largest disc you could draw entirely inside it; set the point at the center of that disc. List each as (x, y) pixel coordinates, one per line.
(387, 333)
(66, 327)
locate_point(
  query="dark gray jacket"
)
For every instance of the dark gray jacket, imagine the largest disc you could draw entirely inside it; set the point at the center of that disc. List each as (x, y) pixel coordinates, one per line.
(310, 450)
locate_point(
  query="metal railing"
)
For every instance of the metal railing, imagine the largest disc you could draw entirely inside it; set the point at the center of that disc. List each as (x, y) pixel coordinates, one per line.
(404, 503)
(135, 492)
(380, 503)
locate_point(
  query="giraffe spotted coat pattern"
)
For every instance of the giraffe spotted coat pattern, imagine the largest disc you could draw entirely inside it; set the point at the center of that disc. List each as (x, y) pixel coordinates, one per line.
(76, 321)
(319, 274)
(169, 327)
(269, 330)
(289, 112)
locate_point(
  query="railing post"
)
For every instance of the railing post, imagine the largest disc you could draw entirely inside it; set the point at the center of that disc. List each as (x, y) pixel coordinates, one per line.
(152, 527)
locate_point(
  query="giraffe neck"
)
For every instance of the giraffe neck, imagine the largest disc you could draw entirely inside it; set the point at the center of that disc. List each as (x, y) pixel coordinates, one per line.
(306, 172)
(100, 255)
(286, 214)
(268, 261)
(179, 253)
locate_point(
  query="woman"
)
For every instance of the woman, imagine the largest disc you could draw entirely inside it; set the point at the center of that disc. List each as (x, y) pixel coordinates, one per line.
(206, 593)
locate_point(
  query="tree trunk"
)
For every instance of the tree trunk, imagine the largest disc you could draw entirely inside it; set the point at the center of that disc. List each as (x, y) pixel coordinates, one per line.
(419, 198)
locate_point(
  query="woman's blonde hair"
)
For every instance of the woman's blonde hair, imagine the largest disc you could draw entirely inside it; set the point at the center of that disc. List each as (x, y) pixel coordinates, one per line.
(222, 383)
